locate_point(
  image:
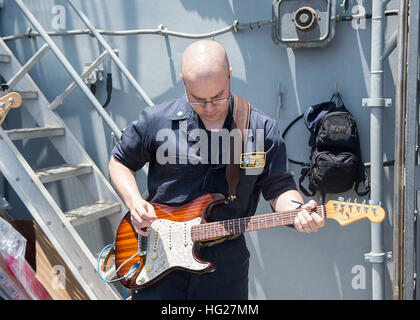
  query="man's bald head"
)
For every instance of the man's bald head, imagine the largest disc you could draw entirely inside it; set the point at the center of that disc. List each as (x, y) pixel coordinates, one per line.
(204, 59)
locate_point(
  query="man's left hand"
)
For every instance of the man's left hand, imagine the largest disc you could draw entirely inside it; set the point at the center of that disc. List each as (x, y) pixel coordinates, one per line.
(306, 221)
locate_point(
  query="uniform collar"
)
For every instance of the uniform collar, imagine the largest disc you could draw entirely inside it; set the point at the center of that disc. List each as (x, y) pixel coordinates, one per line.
(182, 110)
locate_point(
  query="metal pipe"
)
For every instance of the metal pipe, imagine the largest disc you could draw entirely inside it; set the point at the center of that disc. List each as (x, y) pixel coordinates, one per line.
(390, 45)
(376, 142)
(69, 68)
(28, 65)
(398, 207)
(114, 57)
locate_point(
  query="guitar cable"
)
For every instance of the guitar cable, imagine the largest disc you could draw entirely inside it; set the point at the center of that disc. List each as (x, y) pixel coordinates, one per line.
(131, 272)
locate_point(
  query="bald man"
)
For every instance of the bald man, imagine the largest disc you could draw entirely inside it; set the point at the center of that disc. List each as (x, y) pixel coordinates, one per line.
(166, 136)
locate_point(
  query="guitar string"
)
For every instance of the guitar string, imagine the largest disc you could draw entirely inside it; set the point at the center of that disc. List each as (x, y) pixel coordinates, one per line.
(243, 222)
(212, 228)
(253, 223)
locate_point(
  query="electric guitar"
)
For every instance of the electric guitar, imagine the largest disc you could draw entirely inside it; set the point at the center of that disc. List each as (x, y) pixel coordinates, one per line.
(172, 238)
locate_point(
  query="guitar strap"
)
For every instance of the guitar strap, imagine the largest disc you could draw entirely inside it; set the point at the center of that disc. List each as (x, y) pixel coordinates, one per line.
(241, 114)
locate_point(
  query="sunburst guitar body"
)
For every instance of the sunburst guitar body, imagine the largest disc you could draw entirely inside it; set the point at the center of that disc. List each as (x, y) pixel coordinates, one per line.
(168, 246)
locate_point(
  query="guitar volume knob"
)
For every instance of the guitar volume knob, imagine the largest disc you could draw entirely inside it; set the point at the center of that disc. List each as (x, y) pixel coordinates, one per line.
(148, 267)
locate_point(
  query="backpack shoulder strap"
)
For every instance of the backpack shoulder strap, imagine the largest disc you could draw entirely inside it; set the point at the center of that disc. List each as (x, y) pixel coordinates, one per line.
(241, 114)
(301, 163)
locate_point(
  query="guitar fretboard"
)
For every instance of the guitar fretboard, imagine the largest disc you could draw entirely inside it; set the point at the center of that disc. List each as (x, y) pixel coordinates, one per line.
(224, 228)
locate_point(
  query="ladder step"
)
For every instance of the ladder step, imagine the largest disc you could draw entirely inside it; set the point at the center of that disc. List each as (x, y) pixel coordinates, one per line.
(4, 58)
(92, 212)
(33, 133)
(63, 171)
(28, 95)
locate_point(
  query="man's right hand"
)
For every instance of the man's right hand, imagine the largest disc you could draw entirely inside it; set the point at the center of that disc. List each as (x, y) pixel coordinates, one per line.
(142, 215)
(124, 179)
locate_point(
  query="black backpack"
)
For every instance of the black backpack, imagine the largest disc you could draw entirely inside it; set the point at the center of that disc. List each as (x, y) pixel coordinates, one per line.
(335, 161)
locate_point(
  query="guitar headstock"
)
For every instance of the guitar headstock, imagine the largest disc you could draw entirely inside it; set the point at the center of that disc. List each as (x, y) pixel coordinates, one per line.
(11, 100)
(7, 102)
(348, 212)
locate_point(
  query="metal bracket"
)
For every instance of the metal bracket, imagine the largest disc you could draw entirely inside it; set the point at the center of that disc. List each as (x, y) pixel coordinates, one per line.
(378, 257)
(376, 102)
(4, 204)
(93, 76)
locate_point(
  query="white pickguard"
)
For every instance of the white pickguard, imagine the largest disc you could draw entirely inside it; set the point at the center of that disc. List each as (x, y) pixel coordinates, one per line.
(169, 245)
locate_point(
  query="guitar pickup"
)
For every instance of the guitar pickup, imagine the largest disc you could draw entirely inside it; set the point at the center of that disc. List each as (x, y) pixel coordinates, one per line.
(142, 242)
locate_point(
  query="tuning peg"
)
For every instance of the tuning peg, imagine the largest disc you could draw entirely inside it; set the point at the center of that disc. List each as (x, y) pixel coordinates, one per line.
(379, 203)
(371, 202)
(340, 199)
(355, 200)
(365, 206)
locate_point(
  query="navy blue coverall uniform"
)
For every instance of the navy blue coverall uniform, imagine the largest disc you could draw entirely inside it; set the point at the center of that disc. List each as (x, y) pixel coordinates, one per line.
(179, 183)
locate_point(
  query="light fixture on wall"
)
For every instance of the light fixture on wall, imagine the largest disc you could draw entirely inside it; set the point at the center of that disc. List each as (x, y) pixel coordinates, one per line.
(298, 23)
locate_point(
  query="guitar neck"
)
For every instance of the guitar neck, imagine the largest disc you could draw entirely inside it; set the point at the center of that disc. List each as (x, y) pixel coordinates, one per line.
(224, 228)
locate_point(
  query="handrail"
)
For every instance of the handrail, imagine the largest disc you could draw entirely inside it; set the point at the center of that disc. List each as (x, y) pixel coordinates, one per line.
(161, 30)
(28, 66)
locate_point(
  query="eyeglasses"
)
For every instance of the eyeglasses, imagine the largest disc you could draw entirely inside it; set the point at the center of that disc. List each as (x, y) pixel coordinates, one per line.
(214, 102)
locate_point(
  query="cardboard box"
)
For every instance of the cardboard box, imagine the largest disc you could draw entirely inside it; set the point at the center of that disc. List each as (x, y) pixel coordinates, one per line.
(50, 268)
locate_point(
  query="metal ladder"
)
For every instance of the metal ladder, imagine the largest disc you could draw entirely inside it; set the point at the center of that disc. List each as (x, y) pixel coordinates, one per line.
(29, 184)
